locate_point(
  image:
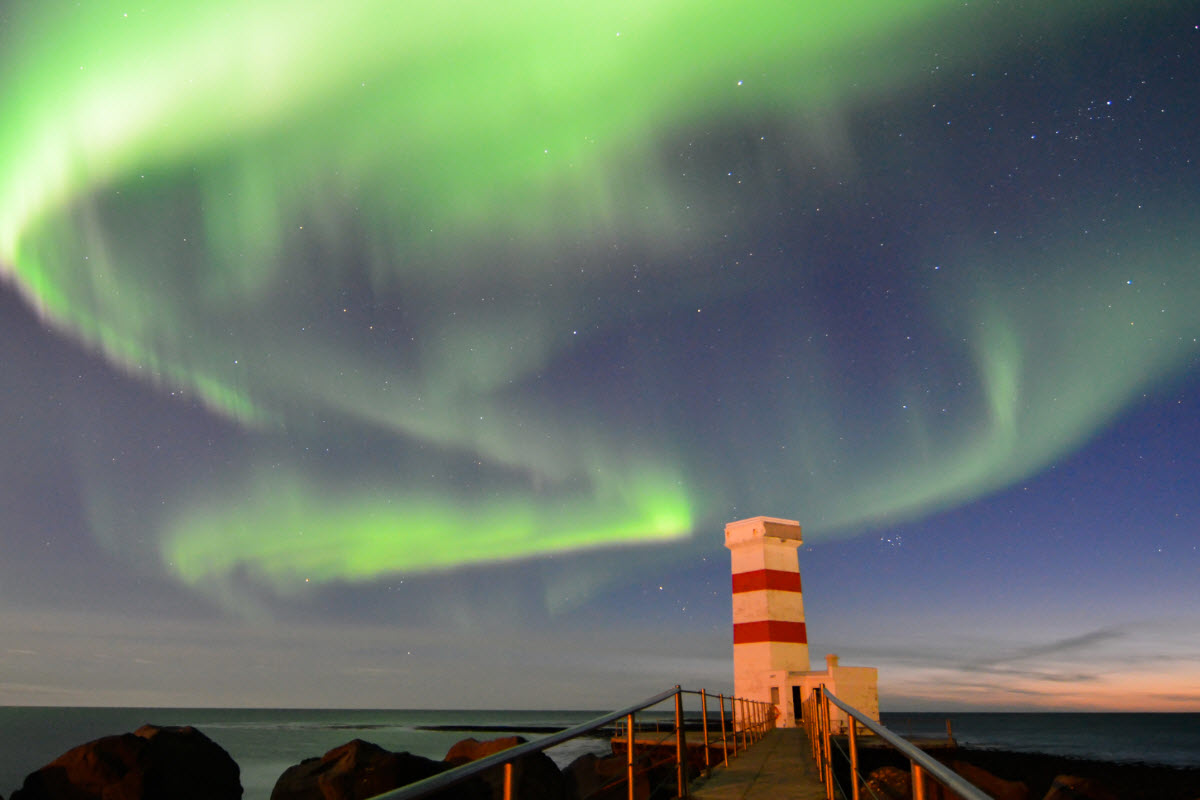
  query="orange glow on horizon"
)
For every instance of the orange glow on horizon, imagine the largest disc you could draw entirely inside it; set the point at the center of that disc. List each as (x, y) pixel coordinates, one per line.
(1144, 691)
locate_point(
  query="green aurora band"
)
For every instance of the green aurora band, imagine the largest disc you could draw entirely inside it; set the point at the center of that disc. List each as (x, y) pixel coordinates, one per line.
(188, 188)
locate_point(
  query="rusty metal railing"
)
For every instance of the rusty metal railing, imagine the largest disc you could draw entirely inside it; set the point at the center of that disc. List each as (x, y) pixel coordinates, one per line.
(751, 720)
(819, 723)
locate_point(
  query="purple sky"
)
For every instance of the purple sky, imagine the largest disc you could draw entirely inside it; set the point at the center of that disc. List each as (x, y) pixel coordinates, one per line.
(948, 322)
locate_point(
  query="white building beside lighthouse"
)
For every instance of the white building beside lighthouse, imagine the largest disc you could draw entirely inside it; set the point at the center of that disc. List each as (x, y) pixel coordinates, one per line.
(770, 637)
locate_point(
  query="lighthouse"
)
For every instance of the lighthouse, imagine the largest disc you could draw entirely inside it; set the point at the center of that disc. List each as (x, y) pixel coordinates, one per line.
(770, 636)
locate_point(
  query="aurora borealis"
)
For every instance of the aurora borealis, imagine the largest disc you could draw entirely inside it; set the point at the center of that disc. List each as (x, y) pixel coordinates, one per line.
(486, 319)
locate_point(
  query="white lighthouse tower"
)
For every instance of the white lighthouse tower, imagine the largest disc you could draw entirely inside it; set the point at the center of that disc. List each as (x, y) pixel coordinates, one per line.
(770, 637)
(769, 634)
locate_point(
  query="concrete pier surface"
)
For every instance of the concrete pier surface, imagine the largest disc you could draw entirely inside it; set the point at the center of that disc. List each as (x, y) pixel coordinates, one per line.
(780, 767)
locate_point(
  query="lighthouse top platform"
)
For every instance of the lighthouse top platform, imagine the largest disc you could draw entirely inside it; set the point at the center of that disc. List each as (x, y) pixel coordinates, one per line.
(748, 530)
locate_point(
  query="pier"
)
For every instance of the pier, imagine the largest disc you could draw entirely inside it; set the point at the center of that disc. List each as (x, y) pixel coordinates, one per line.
(777, 768)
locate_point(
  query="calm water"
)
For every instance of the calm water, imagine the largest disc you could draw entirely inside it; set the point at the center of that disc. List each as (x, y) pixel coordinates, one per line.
(266, 742)
(1154, 738)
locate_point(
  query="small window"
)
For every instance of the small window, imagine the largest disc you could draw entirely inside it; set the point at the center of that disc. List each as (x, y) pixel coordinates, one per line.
(775, 695)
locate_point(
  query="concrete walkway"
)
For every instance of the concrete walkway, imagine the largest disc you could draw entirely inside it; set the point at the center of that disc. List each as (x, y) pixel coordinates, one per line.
(780, 767)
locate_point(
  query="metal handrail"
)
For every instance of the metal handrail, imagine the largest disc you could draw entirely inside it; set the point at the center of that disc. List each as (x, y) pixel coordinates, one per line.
(921, 761)
(507, 757)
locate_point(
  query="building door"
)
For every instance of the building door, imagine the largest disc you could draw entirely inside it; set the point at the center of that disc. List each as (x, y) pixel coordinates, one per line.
(796, 704)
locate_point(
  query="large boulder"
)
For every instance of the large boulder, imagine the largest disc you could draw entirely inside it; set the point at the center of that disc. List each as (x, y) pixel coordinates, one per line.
(890, 783)
(593, 777)
(997, 788)
(153, 763)
(534, 775)
(358, 770)
(1070, 787)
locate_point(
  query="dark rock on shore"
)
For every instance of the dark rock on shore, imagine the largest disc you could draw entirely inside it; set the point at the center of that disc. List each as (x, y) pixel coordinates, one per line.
(998, 788)
(656, 763)
(592, 777)
(535, 775)
(359, 769)
(152, 763)
(1072, 787)
(890, 783)
(1040, 772)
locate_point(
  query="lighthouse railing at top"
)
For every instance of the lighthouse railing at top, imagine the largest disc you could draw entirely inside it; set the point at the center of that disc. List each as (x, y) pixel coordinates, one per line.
(748, 721)
(819, 722)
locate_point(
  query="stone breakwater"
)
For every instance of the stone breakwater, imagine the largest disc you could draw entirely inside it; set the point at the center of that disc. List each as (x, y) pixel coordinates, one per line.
(181, 763)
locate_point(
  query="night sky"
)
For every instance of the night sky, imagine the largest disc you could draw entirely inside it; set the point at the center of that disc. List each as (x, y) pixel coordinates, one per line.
(393, 355)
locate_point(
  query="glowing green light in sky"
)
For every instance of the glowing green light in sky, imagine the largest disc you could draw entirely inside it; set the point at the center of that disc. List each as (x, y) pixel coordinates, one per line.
(205, 193)
(1054, 362)
(294, 530)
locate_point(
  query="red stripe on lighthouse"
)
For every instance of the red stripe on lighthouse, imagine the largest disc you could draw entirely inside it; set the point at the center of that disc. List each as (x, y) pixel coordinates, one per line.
(770, 630)
(780, 580)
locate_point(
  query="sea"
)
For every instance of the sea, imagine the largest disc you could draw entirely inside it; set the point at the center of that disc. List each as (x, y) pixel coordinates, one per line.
(265, 742)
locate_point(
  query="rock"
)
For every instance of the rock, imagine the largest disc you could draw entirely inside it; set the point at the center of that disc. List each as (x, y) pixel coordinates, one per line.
(591, 777)
(358, 770)
(471, 749)
(188, 765)
(534, 776)
(152, 763)
(890, 783)
(84, 771)
(997, 788)
(1070, 787)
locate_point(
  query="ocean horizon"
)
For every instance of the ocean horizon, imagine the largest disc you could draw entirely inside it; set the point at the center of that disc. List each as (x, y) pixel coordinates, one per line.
(265, 741)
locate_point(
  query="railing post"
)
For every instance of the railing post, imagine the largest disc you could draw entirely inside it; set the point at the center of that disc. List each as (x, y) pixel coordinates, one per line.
(680, 747)
(508, 780)
(704, 725)
(819, 739)
(629, 757)
(853, 758)
(814, 715)
(724, 741)
(732, 726)
(815, 738)
(828, 751)
(742, 704)
(918, 781)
